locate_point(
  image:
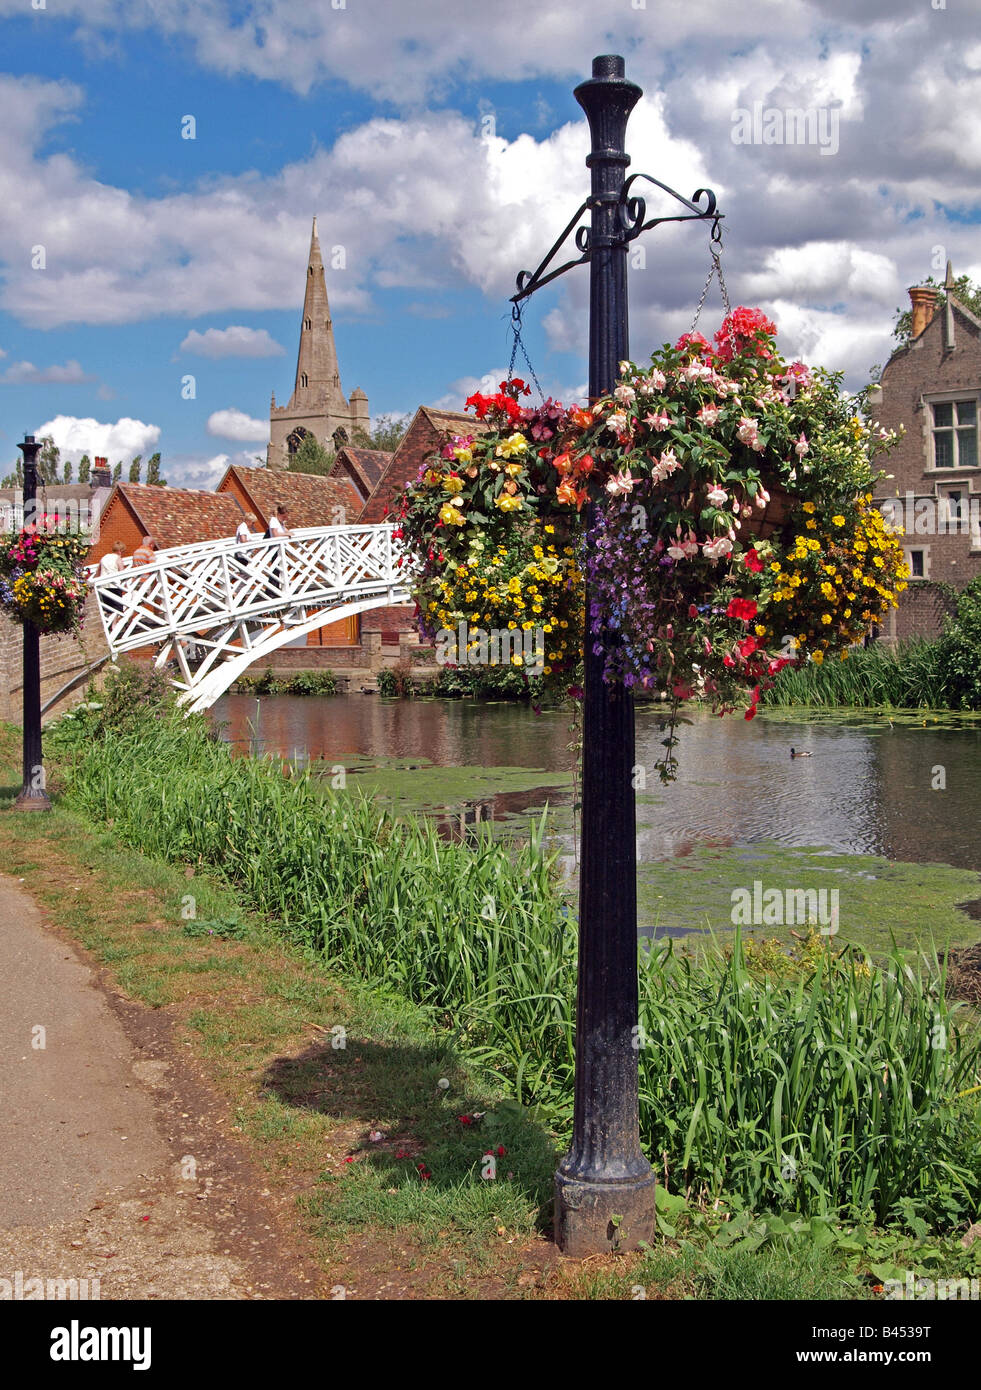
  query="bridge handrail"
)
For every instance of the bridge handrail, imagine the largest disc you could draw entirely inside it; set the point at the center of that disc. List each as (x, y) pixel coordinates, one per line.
(223, 545)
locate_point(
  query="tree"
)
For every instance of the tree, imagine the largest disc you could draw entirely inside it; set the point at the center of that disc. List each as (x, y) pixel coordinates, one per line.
(48, 460)
(387, 434)
(153, 472)
(312, 457)
(84, 468)
(16, 477)
(68, 470)
(134, 468)
(965, 291)
(117, 472)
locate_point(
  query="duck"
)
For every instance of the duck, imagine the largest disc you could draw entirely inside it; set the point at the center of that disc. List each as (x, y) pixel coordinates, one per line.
(795, 754)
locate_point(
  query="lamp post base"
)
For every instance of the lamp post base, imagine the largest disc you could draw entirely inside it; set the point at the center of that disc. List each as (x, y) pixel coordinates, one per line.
(593, 1216)
(32, 801)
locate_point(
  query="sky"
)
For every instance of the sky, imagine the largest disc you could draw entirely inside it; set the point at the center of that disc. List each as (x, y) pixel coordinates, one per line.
(162, 161)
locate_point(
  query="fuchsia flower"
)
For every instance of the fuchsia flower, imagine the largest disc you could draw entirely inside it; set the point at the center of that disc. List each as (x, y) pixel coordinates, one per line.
(661, 421)
(717, 495)
(715, 550)
(708, 415)
(802, 446)
(621, 483)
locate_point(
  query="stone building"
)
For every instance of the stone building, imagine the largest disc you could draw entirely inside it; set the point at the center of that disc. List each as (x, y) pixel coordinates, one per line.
(317, 406)
(932, 387)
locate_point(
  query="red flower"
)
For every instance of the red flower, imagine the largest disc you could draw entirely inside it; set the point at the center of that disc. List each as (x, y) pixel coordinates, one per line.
(465, 1119)
(752, 561)
(743, 608)
(746, 647)
(501, 1150)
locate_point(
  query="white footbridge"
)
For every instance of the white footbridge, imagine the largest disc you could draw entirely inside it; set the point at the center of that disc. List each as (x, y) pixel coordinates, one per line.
(215, 607)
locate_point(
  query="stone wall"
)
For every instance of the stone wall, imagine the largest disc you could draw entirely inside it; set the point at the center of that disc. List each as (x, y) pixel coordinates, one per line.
(62, 658)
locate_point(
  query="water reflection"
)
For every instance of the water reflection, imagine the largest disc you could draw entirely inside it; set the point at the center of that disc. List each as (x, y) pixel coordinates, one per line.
(866, 789)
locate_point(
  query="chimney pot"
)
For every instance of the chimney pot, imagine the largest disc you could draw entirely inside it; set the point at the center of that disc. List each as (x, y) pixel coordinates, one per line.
(923, 299)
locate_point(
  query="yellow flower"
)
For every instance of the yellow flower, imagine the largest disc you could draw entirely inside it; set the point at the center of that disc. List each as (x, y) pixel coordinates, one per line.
(464, 454)
(550, 530)
(513, 469)
(817, 657)
(453, 485)
(811, 524)
(826, 618)
(514, 444)
(837, 521)
(809, 507)
(451, 515)
(507, 503)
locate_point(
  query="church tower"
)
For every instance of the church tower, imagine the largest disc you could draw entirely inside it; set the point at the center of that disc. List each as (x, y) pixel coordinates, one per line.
(318, 405)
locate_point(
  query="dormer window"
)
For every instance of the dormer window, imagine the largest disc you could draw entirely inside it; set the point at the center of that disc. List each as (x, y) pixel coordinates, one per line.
(955, 434)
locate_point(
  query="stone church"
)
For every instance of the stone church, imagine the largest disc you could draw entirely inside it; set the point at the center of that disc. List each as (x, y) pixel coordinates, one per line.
(317, 406)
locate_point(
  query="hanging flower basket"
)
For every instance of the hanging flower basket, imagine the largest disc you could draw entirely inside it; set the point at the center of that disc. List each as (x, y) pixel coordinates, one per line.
(41, 579)
(719, 502)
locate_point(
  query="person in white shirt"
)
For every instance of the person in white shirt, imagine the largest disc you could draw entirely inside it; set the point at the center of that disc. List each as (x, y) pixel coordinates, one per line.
(244, 532)
(277, 522)
(113, 562)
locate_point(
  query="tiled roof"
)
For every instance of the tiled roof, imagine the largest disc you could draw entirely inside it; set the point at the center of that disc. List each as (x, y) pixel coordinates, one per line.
(423, 435)
(370, 464)
(179, 516)
(310, 498)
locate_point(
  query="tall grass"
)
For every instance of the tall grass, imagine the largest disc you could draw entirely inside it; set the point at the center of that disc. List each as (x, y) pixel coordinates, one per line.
(828, 1093)
(911, 676)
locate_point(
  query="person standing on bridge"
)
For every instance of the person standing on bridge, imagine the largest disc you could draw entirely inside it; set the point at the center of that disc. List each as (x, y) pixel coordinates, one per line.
(145, 553)
(113, 562)
(277, 523)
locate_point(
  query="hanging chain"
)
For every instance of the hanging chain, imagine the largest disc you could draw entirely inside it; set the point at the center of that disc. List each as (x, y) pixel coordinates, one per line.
(518, 342)
(715, 248)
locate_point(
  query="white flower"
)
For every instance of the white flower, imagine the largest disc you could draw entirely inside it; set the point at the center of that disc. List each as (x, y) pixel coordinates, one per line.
(621, 483)
(626, 394)
(717, 495)
(708, 414)
(624, 368)
(659, 422)
(617, 421)
(715, 550)
(802, 446)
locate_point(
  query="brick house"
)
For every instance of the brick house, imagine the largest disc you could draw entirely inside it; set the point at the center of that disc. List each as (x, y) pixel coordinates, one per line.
(932, 387)
(171, 515)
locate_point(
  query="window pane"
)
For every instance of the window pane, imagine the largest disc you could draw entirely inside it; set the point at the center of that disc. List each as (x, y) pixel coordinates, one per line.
(942, 449)
(967, 448)
(943, 414)
(916, 563)
(967, 412)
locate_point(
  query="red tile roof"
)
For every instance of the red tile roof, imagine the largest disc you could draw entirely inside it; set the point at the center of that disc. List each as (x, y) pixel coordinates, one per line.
(310, 498)
(179, 516)
(367, 465)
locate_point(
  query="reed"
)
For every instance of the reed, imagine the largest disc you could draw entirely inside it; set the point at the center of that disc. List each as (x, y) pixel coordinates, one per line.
(835, 1092)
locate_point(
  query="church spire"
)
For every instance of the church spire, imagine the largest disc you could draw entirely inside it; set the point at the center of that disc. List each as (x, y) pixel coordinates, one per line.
(317, 375)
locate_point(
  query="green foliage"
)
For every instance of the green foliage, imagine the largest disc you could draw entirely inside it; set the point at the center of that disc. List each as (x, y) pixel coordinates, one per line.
(134, 468)
(48, 460)
(130, 692)
(312, 457)
(84, 468)
(302, 683)
(387, 434)
(153, 472)
(117, 472)
(396, 681)
(836, 1090)
(959, 650)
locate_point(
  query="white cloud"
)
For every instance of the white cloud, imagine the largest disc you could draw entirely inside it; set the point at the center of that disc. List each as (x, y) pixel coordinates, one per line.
(119, 441)
(203, 470)
(234, 341)
(235, 424)
(26, 374)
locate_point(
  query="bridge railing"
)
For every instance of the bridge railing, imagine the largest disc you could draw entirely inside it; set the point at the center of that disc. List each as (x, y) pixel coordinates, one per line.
(194, 587)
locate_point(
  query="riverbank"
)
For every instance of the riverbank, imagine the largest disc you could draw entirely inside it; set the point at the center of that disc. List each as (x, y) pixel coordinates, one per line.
(383, 1188)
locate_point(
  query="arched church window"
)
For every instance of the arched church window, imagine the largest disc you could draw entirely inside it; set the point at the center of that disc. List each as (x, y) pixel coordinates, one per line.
(307, 323)
(304, 380)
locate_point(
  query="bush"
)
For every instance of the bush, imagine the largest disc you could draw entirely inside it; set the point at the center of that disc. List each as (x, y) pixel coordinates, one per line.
(959, 650)
(302, 683)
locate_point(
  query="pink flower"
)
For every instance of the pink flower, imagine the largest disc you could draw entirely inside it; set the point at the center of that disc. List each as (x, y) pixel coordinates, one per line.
(802, 446)
(747, 432)
(661, 421)
(708, 414)
(621, 483)
(625, 394)
(717, 495)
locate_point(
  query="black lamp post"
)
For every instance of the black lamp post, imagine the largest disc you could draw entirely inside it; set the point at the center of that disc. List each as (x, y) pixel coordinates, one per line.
(33, 796)
(604, 1186)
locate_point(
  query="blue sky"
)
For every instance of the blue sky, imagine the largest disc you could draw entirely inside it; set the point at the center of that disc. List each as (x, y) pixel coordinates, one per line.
(441, 147)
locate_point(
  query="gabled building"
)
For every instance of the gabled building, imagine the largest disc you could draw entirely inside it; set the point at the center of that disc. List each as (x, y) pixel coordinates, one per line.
(311, 499)
(318, 405)
(363, 468)
(171, 515)
(932, 387)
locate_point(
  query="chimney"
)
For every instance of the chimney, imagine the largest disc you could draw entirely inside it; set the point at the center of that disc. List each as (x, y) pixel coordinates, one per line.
(101, 475)
(923, 298)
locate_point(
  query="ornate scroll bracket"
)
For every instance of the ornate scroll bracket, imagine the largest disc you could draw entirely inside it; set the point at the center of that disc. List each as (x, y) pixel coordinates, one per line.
(632, 219)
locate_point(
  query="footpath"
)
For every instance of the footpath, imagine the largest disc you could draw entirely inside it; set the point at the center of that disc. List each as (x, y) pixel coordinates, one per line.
(117, 1165)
